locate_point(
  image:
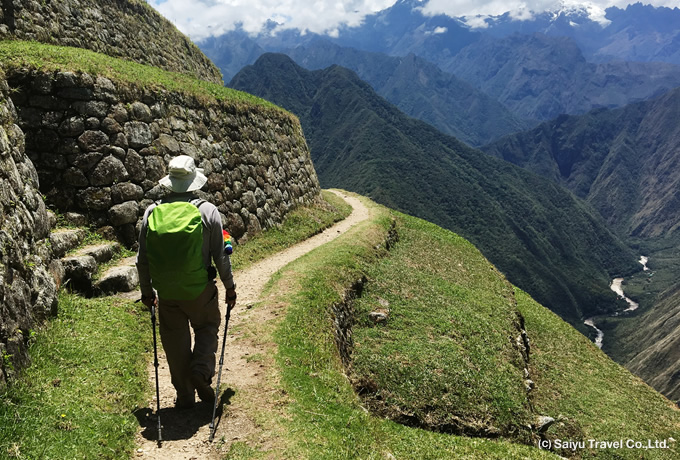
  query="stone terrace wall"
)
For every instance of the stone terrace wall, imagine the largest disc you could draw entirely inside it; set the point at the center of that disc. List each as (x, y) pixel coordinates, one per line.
(27, 291)
(121, 28)
(100, 149)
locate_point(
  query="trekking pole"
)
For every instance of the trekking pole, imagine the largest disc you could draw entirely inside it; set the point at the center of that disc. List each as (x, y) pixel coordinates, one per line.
(219, 374)
(155, 364)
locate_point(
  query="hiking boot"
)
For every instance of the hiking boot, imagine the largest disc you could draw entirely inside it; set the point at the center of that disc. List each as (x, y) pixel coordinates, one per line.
(203, 388)
(184, 402)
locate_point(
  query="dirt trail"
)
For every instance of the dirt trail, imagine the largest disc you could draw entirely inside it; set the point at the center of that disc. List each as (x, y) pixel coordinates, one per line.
(185, 433)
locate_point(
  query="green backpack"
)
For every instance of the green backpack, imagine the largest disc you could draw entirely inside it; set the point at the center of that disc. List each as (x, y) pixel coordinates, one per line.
(174, 242)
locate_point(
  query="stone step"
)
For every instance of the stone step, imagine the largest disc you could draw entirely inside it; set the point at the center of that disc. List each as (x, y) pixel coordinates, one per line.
(101, 252)
(121, 277)
(63, 240)
(78, 272)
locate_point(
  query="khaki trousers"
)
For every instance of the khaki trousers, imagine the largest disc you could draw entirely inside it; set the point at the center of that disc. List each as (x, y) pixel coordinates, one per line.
(175, 316)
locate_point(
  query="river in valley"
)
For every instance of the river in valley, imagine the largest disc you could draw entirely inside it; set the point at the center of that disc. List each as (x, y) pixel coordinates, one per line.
(616, 286)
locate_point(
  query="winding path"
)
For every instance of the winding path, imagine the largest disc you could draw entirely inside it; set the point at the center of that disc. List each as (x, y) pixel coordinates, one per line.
(247, 369)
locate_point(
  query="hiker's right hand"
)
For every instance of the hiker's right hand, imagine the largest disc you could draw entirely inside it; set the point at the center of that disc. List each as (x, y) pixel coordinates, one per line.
(230, 297)
(150, 301)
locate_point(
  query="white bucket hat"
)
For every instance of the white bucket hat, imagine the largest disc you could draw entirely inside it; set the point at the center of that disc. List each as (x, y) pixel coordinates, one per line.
(183, 175)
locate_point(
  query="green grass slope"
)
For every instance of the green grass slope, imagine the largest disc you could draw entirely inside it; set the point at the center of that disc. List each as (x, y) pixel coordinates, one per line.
(444, 356)
(324, 417)
(592, 397)
(88, 376)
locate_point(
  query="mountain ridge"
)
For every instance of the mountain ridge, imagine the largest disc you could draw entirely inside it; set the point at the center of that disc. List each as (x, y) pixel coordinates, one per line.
(420, 89)
(539, 76)
(536, 74)
(637, 33)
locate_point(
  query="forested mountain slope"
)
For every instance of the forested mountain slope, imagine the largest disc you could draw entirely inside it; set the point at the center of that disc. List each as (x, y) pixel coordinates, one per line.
(625, 162)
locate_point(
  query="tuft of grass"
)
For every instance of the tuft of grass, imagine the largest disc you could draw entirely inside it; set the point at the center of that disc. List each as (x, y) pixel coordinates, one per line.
(88, 375)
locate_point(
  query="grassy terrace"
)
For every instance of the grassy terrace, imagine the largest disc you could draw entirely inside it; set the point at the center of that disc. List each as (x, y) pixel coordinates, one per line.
(591, 396)
(324, 417)
(443, 359)
(15, 54)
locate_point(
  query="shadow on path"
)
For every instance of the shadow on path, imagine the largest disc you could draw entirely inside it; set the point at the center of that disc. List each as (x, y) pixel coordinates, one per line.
(180, 424)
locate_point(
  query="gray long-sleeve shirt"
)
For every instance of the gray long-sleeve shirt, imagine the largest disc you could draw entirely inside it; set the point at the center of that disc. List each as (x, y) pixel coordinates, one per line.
(213, 244)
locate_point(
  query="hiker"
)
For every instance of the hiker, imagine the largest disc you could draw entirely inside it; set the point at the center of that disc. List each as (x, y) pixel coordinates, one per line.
(179, 238)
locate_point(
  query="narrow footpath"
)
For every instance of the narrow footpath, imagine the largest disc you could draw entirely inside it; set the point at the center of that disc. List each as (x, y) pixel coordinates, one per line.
(248, 370)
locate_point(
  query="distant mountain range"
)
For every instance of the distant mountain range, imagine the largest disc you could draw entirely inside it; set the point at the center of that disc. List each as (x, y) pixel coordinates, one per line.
(638, 33)
(540, 77)
(546, 240)
(421, 90)
(625, 162)
(535, 69)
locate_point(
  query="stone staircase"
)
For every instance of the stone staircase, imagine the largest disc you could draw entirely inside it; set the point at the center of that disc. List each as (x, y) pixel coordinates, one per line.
(92, 270)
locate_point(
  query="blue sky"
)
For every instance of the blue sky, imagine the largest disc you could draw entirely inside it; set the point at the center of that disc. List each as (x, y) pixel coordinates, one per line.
(203, 18)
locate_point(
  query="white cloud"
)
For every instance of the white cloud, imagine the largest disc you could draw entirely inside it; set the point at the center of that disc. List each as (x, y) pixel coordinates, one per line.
(477, 10)
(203, 18)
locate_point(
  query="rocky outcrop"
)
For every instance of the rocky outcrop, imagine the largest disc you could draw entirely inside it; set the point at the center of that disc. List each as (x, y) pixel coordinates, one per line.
(101, 147)
(27, 291)
(128, 29)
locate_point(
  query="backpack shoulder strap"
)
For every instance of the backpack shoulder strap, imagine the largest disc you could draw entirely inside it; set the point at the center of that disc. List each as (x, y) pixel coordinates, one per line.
(197, 202)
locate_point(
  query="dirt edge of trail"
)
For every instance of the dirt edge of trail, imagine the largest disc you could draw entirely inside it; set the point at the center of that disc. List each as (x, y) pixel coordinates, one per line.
(248, 374)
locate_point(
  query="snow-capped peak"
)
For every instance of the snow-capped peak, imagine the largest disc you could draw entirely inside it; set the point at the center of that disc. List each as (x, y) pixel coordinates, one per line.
(568, 8)
(573, 7)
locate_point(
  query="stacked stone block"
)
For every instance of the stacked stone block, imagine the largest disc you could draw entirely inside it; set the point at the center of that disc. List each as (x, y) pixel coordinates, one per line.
(27, 291)
(100, 150)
